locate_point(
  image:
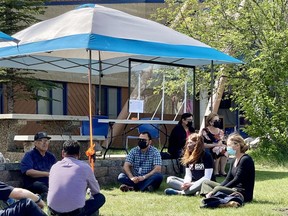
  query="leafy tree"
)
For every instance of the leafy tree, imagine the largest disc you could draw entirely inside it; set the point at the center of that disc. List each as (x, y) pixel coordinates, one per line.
(256, 32)
(15, 16)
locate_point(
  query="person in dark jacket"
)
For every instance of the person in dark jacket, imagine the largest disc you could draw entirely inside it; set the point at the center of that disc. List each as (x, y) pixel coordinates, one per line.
(27, 204)
(179, 135)
(241, 175)
(36, 164)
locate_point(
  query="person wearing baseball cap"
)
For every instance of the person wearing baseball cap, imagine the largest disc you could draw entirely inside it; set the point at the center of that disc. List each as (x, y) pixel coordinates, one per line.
(36, 165)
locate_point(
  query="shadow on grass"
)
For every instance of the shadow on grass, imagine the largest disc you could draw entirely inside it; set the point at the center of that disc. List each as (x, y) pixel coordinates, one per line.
(110, 187)
(268, 175)
(257, 201)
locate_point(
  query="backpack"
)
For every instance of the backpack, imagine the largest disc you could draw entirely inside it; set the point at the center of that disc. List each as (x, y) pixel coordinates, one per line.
(221, 199)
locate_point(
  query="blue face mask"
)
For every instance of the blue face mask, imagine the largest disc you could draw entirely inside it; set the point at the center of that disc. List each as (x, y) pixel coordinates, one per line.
(230, 150)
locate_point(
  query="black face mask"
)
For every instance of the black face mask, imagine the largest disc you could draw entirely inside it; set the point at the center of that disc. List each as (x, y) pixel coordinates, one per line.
(142, 143)
(189, 124)
(217, 124)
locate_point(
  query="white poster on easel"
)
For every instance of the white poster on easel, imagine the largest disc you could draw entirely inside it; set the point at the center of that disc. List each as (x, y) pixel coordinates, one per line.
(136, 106)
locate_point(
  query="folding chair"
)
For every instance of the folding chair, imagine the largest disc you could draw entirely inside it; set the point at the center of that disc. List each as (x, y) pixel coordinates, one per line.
(152, 129)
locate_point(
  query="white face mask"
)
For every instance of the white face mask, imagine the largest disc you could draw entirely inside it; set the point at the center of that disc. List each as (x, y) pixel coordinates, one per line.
(230, 150)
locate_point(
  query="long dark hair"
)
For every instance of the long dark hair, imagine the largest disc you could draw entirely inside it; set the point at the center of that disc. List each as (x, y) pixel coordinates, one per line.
(184, 116)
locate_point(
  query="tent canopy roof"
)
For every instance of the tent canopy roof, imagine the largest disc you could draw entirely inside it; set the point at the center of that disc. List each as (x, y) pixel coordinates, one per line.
(61, 43)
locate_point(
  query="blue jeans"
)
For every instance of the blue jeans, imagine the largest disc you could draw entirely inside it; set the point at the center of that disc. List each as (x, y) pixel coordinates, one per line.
(24, 207)
(39, 188)
(154, 180)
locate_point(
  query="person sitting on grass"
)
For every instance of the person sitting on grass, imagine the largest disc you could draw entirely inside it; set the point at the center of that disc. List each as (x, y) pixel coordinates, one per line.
(68, 182)
(36, 164)
(179, 135)
(142, 167)
(29, 203)
(241, 175)
(215, 143)
(199, 167)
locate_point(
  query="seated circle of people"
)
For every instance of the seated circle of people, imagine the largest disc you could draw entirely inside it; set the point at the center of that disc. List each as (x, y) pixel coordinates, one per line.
(215, 143)
(241, 174)
(36, 165)
(199, 167)
(179, 135)
(27, 204)
(142, 167)
(68, 183)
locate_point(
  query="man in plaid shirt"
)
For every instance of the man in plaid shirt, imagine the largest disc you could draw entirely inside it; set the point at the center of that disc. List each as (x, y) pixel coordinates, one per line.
(142, 167)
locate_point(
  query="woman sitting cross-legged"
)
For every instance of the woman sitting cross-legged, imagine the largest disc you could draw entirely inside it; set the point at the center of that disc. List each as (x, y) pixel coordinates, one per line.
(199, 167)
(241, 175)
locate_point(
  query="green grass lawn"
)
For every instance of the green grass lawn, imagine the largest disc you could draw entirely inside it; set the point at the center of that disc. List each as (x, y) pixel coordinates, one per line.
(270, 198)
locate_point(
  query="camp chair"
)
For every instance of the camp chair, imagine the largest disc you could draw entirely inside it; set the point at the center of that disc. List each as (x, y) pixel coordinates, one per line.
(152, 129)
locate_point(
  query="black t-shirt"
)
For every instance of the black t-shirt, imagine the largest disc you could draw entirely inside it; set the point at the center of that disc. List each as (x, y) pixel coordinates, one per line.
(198, 170)
(177, 140)
(242, 177)
(5, 191)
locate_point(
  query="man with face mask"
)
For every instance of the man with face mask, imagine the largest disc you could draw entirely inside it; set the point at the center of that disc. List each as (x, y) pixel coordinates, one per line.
(142, 167)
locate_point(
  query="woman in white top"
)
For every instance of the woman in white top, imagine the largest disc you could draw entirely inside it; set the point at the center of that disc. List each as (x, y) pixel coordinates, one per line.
(199, 167)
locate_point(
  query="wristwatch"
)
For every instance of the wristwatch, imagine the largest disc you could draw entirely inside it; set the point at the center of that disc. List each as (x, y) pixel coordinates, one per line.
(39, 198)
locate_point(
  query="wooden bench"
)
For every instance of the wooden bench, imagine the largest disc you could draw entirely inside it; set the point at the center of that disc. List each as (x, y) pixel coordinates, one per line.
(30, 138)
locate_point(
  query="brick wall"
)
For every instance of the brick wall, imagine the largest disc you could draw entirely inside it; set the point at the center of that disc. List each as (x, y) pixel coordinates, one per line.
(106, 171)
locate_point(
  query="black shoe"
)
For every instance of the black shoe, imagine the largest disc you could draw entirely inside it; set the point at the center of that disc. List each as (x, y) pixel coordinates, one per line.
(150, 188)
(125, 188)
(223, 174)
(217, 175)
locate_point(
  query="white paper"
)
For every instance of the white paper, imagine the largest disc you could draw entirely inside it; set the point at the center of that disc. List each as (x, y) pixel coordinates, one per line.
(136, 106)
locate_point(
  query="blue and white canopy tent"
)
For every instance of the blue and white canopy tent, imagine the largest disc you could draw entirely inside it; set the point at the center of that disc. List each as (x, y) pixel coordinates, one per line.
(4, 37)
(96, 38)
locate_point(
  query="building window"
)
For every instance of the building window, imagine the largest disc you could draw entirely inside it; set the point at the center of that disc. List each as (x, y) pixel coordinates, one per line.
(110, 101)
(57, 103)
